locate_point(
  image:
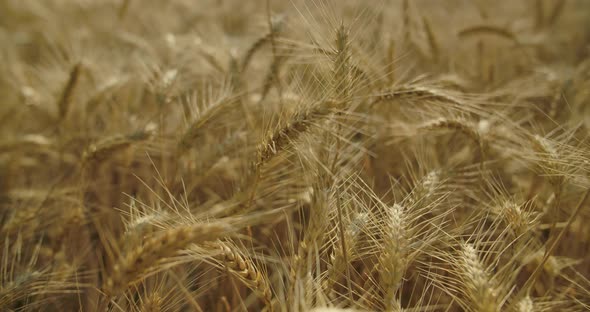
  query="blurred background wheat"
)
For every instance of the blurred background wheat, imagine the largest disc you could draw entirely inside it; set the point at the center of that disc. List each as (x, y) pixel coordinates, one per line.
(291, 155)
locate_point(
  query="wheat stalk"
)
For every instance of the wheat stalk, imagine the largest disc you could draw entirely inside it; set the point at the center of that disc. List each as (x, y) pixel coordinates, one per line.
(481, 290)
(348, 130)
(463, 126)
(338, 262)
(105, 148)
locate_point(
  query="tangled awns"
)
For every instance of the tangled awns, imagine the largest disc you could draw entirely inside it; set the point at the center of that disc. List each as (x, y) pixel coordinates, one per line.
(295, 155)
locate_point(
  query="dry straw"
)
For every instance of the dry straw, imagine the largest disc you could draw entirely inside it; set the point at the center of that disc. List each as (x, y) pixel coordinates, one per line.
(354, 132)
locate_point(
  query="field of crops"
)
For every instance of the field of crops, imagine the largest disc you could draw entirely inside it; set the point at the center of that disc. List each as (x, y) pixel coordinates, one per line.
(295, 155)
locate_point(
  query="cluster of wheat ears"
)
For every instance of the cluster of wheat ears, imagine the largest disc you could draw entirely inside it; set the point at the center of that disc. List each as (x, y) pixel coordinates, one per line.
(294, 155)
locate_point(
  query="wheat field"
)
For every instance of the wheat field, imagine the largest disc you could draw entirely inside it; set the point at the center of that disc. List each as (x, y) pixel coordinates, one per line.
(294, 155)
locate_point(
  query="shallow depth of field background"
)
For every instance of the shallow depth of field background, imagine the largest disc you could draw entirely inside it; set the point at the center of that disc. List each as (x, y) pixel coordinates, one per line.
(291, 155)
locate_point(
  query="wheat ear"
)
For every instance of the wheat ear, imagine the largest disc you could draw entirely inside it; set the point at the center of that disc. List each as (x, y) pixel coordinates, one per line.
(312, 239)
(556, 12)
(137, 261)
(341, 88)
(341, 63)
(393, 259)
(247, 273)
(257, 45)
(552, 244)
(406, 21)
(550, 164)
(338, 261)
(390, 66)
(272, 77)
(525, 304)
(488, 29)
(197, 128)
(275, 24)
(24, 285)
(211, 59)
(479, 287)
(462, 126)
(65, 100)
(281, 138)
(152, 303)
(539, 14)
(123, 8)
(105, 148)
(431, 39)
(417, 92)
